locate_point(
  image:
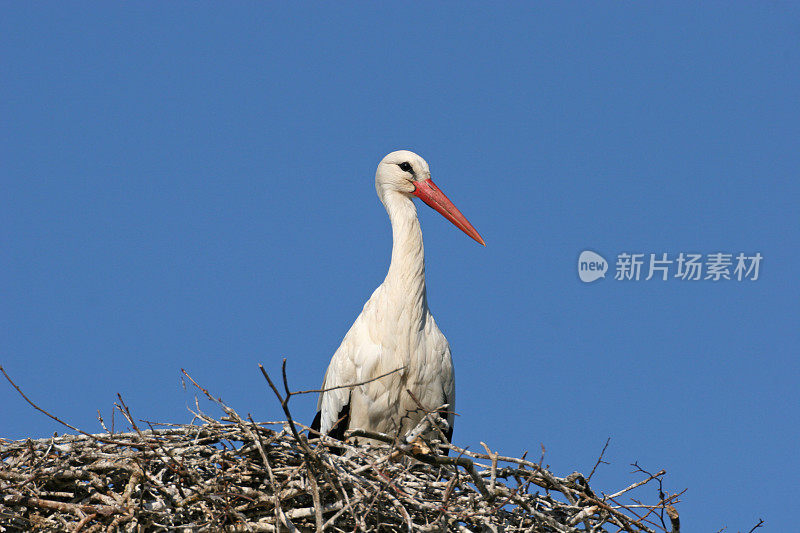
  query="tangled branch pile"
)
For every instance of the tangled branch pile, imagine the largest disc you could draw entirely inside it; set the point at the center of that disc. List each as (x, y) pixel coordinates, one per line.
(237, 475)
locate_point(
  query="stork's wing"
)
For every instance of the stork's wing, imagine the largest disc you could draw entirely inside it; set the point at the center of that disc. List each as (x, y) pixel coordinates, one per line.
(345, 368)
(448, 386)
(339, 404)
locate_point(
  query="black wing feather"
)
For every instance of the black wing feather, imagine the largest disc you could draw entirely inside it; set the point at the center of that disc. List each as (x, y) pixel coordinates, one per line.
(342, 422)
(315, 425)
(449, 432)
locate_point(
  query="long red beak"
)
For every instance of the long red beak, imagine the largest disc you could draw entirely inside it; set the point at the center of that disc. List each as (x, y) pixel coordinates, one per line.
(428, 192)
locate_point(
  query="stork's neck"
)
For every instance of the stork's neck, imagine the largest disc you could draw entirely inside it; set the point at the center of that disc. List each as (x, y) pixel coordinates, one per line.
(406, 277)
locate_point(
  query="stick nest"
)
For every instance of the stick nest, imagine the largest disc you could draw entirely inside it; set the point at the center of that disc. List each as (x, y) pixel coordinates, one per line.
(233, 474)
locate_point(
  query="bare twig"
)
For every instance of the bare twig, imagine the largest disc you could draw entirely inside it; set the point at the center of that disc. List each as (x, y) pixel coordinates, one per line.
(54, 417)
(637, 484)
(348, 386)
(599, 460)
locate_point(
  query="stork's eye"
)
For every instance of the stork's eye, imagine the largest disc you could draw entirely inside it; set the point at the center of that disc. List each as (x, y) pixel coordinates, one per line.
(405, 167)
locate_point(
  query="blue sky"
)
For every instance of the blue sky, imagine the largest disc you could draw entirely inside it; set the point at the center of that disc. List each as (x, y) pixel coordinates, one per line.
(187, 185)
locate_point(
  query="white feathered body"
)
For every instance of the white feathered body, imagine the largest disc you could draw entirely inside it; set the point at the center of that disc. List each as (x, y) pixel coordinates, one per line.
(394, 330)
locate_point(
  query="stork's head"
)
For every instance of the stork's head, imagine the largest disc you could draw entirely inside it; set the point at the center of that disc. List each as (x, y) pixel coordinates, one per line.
(407, 173)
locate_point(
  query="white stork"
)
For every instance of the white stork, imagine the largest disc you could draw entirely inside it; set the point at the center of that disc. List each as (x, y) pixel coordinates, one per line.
(395, 328)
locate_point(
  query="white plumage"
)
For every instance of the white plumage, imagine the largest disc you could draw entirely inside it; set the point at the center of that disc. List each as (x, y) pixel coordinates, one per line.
(395, 328)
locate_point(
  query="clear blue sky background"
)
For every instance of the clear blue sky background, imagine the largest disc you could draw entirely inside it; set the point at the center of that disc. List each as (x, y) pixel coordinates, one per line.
(191, 185)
